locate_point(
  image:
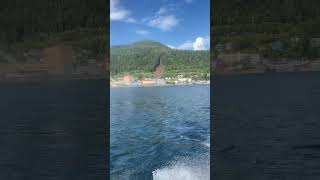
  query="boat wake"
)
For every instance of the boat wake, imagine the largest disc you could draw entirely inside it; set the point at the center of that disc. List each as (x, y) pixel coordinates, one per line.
(206, 143)
(186, 169)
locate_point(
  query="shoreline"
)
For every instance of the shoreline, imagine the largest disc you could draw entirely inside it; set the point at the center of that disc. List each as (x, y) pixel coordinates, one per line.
(260, 72)
(141, 86)
(52, 78)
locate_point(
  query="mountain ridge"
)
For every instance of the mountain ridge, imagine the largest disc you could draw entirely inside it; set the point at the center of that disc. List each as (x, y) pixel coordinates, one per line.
(141, 57)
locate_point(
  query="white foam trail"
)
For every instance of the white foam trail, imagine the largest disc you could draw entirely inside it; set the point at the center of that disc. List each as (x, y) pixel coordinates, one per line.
(196, 169)
(206, 144)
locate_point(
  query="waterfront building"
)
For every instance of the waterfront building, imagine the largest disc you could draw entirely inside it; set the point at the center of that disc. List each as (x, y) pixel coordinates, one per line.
(128, 79)
(149, 82)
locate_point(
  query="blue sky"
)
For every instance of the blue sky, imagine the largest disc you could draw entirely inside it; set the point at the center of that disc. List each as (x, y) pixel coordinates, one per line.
(181, 24)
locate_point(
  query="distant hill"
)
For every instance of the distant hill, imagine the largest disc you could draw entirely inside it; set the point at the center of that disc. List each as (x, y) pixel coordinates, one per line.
(240, 12)
(142, 57)
(29, 26)
(251, 26)
(25, 19)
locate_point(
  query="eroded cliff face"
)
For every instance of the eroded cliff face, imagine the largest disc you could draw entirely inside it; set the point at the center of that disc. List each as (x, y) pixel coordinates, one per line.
(159, 71)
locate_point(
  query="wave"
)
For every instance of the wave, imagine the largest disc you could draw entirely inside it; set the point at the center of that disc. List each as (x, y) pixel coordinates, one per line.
(207, 144)
(186, 169)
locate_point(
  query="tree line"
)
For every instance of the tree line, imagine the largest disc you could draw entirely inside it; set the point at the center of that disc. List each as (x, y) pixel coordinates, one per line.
(21, 19)
(254, 26)
(142, 57)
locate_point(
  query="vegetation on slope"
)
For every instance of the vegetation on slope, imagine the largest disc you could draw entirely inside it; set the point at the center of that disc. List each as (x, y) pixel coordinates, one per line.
(38, 24)
(252, 25)
(142, 57)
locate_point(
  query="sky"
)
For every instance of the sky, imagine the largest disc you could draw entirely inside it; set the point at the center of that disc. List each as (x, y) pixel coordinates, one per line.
(179, 24)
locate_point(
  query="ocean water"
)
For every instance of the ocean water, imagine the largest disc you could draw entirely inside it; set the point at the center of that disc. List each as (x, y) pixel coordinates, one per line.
(160, 133)
(267, 126)
(53, 130)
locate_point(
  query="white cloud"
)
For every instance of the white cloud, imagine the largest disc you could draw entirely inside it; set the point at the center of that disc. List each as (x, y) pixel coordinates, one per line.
(142, 32)
(170, 46)
(163, 22)
(188, 45)
(130, 20)
(162, 10)
(119, 13)
(145, 19)
(163, 19)
(200, 43)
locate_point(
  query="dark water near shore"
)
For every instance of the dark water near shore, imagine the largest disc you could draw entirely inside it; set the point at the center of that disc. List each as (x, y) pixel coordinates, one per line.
(53, 130)
(160, 133)
(267, 126)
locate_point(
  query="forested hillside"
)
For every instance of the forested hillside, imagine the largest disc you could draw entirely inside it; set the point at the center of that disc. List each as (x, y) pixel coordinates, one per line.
(20, 19)
(268, 12)
(38, 23)
(251, 25)
(142, 57)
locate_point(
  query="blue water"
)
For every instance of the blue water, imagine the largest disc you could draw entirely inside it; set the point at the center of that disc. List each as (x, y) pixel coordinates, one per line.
(160, 133)
(53, 130)
(267, 126)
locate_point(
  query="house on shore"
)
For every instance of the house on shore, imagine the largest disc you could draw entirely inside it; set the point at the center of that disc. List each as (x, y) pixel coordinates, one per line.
(128, 79)
(149, 82)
